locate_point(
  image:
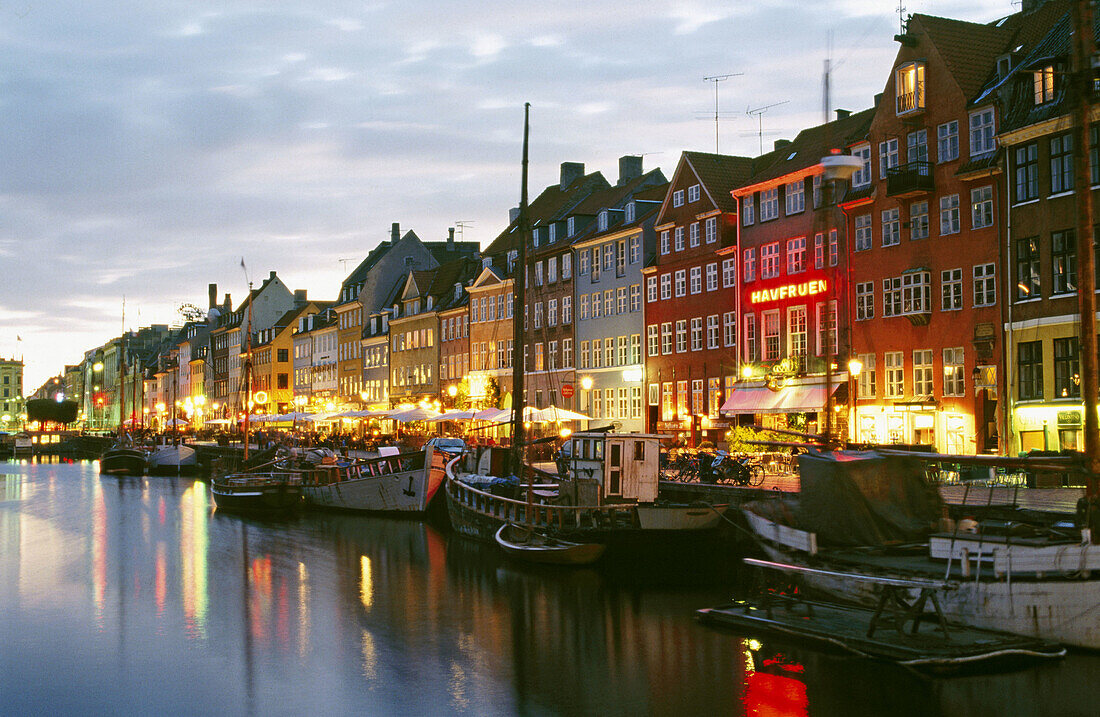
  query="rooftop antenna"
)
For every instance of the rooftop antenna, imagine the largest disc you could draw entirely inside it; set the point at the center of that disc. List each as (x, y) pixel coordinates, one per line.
(462, 224)
(901, 17)
(344, 264)
(826, 99)
(759, 112)
(716, 79)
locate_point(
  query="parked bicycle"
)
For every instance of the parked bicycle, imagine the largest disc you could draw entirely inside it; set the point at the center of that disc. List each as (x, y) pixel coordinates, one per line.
(741, 471)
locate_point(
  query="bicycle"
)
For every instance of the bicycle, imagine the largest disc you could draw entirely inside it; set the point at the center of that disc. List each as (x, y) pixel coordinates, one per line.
(738, 471)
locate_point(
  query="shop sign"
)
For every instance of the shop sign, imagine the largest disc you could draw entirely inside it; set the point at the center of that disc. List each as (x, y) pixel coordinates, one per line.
(1069, 418)
(789, 291)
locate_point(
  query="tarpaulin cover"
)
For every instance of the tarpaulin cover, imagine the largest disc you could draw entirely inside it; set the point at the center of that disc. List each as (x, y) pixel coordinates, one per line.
(865, 498)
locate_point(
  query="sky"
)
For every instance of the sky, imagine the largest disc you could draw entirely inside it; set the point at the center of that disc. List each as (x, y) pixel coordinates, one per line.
(148, 147)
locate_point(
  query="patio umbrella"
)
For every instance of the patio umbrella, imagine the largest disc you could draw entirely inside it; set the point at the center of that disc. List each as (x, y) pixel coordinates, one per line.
(218, 421)
(492, 414)
(414, 414)
(175, 422)
(554, 414)
(454, 416)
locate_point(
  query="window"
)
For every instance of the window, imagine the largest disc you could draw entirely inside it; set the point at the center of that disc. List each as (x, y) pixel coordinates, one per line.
(819, 251)
(635, 249)
(1044, 84)
(538, 315)
(681, 282)
(1027, 269)
(620, 258)
(714, 393)
(566, 353)
(865, 301)
(1067, 376)
(609, 351)
(651, 289)
(1063, 261)
(552, 355)
(985, 285)
(771, 335)
(1029, 367)
(954, 383)
(769, 204)
(622, 355)
(1094, 155)
(951, 290)
(710, 230)
(796, 255)
(666, 337)
(769, 261)
(697, 334)
(916, 293)
(922, 372)
(678, 239)
(551, 270)
(567, 309)
(1061, 164)
(863, 232)
(635, 297)
(982, 138)
(620, 300)
(891, 296)
(817, 191)
(552, 312)
(583, 307)
(909, 86)
(750, 264)
(729, 273)
(696, 279)
(826, 329)
(597, 305)
(981, 207)
(750, 337)
(712, 331)
(566, 266)
(693, 193)
(887, 155)
(693, 234)
(866, 388)
(678, 198)
(609, 302)
(949, 214)
(1027, 172)
(664, 242)
(635, 404)
(862, 176)
(539, 359)
(712, 276)
(582, 269)
(651, 339)
(796, 197)
(891, 227)
(796, 331)
(538, 273)
(666, 286)
(729, 328)
(608, 257)
(917, 149)
(747, 207)
(681, 336)
(918, 221)
(947, 135)
(635, 348)
(895, 374)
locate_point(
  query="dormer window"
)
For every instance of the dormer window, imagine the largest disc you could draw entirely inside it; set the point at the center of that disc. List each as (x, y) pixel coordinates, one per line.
(553, 234)
(601, 220)
(571, 226)
(630, 212)
(909, 87)
(513, 255)
(428, 304)
(1044, 84)
(693, 193)
(536, 236)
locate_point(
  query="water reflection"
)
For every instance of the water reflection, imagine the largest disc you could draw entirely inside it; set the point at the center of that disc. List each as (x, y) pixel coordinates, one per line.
(140, 591)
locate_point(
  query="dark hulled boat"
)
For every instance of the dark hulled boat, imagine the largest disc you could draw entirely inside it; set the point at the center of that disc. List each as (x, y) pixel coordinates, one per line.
(267, 493)
(122, 458)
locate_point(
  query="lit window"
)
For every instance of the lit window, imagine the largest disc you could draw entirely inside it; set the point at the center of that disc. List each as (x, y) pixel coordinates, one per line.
(909, 84)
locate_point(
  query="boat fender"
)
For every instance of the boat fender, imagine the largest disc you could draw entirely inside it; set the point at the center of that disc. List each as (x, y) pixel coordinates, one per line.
(968, 525)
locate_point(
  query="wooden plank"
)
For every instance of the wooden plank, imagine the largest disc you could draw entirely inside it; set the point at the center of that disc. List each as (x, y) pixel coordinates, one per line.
(861, 577)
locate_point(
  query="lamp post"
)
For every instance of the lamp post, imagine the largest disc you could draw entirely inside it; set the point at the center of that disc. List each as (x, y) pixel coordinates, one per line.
(855, 366)
(836, 168)
(586, 386)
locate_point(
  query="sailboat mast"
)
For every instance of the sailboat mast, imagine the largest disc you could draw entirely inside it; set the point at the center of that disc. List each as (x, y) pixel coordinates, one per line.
(248, 370)
(519, 304)
(1084, 46)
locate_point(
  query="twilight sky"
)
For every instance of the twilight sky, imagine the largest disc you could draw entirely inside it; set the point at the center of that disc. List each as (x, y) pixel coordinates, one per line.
(148, 146)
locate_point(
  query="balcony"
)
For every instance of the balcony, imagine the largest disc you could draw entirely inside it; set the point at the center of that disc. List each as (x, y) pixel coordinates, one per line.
(910, 180)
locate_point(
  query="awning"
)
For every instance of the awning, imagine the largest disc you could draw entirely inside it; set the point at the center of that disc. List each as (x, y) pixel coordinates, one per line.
(799, 398)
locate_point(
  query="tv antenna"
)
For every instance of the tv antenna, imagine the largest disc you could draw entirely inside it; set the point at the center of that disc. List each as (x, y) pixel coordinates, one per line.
(759, 112)
(716, 79)
(344, 264)
(901, 17)
(461, 225)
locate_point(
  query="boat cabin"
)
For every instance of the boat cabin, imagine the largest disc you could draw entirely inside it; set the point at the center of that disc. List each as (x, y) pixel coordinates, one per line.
(617, 467)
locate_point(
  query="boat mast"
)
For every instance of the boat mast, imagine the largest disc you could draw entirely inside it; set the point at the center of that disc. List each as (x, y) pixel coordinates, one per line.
(247, 369)
(1084, 46)
(519, 304)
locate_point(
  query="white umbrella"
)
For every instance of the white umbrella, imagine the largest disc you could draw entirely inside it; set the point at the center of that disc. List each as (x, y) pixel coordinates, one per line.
(218, 421)
(175, 422)
(414, 414)
(492, 414)
(554, 414)
(454, 416)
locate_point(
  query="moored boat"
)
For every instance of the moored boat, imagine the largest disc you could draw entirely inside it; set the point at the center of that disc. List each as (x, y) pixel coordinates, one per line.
(172, 459)
(123, 458)
(536, 547)
(397, 483)
(259, 493)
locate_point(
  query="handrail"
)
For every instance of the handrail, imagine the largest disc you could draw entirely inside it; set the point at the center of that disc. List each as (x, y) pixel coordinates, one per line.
(605, 506)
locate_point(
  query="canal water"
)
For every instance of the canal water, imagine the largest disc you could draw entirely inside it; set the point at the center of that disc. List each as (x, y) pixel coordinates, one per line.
(135, 596)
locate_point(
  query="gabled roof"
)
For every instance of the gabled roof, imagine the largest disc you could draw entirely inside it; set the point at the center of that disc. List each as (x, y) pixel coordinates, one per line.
(614, 198)
(718, 174)
(553, 203)
(968, 49)
(444, 252)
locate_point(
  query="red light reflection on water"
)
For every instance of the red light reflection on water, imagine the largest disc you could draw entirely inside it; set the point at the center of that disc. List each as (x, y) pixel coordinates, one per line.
(772, 695)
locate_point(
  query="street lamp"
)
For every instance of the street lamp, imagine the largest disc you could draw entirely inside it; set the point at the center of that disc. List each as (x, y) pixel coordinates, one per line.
(855, 366)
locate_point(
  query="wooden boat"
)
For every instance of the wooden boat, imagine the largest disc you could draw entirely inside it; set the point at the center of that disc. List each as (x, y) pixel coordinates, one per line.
(1040, 583)
(260, 493)
(399, 483)
(892, 631)
(536, 547)
(123, 458)
(172, 459)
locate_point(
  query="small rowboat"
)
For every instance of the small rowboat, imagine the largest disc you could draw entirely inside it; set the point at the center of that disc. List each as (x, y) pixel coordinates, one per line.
(532, 546)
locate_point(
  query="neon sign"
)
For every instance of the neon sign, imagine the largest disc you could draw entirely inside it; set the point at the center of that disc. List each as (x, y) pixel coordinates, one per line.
(789, 291)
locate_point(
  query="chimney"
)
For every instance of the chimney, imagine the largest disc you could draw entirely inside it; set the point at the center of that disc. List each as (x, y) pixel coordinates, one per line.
(271, 276)
(781, 143)
(570, 172)
(300, 296)
(212, 294)
(513, 214)
(843, 114)
(228, 303)
(395, 232)
(630, 167)
(878, 99)
(450, 238)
